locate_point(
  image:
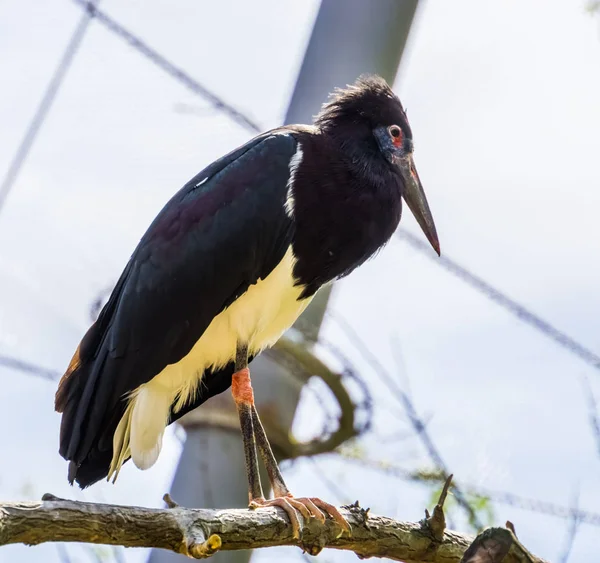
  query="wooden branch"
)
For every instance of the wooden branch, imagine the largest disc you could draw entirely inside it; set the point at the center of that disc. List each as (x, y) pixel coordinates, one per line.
(200, 533)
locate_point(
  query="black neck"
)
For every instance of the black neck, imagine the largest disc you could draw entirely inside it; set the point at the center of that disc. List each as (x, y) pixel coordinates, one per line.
(347, 205)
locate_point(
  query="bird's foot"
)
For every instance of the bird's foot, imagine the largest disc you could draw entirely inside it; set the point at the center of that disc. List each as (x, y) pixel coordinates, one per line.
(308, 507)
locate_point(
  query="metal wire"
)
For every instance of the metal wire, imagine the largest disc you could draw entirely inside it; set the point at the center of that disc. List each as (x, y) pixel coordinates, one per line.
(174, 71)
(27, 367)
(44, 107)
(493, 294)
(409, 408)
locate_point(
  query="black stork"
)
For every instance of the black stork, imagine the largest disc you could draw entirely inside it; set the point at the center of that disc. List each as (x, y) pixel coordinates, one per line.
(226, 267)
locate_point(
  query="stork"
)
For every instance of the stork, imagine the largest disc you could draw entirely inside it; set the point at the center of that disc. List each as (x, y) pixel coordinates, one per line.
(224, 270)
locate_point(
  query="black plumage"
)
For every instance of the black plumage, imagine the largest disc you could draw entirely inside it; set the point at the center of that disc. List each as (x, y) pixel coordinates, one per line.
(336, 204)
(204, 247)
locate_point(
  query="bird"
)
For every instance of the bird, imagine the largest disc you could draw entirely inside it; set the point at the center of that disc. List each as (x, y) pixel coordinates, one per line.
(225, 268)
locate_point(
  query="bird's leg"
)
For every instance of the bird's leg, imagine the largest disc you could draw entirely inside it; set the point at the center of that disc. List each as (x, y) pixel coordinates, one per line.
(241, 389)
(266, 453)
(283, 498)
(254, 435)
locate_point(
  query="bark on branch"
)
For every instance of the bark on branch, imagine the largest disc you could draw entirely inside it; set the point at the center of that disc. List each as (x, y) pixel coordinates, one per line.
(199, 533)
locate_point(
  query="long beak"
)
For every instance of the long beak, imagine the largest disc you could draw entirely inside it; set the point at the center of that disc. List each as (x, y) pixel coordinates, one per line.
(414, 196)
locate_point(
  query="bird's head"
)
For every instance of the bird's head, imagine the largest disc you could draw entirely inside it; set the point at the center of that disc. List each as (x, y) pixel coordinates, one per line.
(370, 124)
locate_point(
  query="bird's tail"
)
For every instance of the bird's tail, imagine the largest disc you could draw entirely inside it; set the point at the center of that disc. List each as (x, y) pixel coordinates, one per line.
(99, 432)
(98, 442)
(139, 434)
(86, 428)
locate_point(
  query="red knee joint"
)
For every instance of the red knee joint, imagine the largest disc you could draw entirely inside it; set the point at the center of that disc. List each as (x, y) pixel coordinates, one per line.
(241, 387)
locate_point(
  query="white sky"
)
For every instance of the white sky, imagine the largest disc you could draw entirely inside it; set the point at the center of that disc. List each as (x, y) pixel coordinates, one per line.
(504, 102)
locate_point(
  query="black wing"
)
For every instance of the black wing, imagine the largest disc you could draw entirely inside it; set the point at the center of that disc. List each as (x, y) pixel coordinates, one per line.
(219, 234)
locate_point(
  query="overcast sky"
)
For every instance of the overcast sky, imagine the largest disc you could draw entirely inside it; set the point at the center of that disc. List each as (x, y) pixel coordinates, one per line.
(504, 103)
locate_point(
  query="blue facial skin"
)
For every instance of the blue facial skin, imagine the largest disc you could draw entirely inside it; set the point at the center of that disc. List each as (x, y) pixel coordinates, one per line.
(387, 138)
(397, 147)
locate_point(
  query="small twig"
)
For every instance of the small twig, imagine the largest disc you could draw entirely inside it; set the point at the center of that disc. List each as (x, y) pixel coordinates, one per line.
(206, 548)
(169, 501)
(361, 513)
(436, 523)
(52, 498)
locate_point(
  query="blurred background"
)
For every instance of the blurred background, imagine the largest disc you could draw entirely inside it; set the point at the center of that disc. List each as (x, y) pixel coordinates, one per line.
(481, 363)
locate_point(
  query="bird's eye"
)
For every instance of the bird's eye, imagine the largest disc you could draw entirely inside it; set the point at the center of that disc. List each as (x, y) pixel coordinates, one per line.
(396, 135)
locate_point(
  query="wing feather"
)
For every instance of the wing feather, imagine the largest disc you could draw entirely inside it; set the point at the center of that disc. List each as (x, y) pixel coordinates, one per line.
(225, 229)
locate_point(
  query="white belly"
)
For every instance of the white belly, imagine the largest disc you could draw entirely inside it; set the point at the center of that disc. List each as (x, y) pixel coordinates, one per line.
(258, 318)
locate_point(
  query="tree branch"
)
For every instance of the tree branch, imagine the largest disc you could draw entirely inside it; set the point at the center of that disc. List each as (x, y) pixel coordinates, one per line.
(199, 533)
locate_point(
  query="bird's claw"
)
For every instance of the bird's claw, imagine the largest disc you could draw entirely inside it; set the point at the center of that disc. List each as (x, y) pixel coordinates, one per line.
(308, 507)
(285, 504)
